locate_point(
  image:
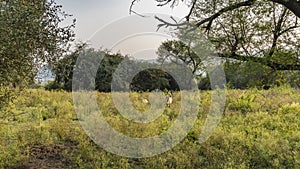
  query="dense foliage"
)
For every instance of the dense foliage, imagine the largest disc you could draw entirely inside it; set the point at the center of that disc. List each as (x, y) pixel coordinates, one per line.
(30, 36)
(239, 74)
(148, 79)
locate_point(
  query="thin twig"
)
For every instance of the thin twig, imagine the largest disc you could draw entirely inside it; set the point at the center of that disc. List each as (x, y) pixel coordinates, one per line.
(167, 24)
(131, 6)
(165, 2)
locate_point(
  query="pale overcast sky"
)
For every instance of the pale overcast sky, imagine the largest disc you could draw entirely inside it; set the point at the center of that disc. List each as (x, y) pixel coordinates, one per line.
(93, 15)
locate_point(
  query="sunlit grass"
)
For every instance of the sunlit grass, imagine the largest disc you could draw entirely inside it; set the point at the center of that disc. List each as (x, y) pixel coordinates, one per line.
(259, 129)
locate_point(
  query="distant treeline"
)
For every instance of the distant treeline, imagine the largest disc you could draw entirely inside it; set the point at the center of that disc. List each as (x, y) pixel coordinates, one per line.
(145, 80)
(239, 75)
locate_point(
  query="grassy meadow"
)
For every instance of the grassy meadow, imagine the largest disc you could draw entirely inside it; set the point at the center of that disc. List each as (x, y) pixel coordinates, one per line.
(259, 129)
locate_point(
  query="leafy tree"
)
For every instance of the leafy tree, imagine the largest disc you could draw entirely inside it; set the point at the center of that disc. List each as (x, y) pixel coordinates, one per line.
(149, 79)
(292, 5)
(64, 68)
(239, 74)
(258, 39)
(152, 79)
(63, 71)
(107, 67)
(178, 52)
(30, 36)
(250, 30)
(250, 74)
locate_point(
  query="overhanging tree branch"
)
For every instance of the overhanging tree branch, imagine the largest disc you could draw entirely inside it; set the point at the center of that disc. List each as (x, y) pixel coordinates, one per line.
(292, 5)
(208, 20)
(224, 10)
(279, 29)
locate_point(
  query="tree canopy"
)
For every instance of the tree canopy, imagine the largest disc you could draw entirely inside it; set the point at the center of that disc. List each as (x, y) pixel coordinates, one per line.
(146, 80)
(31, 34)
(266, 32)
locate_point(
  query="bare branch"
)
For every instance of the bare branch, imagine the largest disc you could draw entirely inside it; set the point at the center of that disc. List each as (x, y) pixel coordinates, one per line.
(139, 14)
(226, 32)
(132, 11)
(131, 6)
(173, 19)
(276, 32)
(165, 2)
(288, 29)
(167, 24)
(191, 10)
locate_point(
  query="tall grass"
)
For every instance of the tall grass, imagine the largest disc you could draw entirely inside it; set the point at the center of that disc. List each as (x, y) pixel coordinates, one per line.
(259, 129)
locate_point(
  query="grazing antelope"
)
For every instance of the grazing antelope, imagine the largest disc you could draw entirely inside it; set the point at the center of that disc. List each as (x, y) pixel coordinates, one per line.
(169, 99)
(145, 101)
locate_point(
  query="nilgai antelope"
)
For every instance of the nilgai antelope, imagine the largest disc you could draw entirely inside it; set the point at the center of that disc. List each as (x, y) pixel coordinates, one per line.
(145, 101)
(169, 99)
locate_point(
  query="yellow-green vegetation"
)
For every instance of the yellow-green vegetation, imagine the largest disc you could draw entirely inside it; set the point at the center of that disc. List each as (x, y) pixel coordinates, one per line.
(259, 129)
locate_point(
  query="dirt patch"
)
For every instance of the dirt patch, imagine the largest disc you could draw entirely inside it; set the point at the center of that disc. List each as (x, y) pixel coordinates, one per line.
(48, 157)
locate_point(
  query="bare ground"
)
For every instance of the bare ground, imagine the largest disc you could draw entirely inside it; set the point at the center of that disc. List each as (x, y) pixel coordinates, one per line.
(48, 157)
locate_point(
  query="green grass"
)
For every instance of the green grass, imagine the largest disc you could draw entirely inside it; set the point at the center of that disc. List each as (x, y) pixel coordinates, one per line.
(259, 129)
